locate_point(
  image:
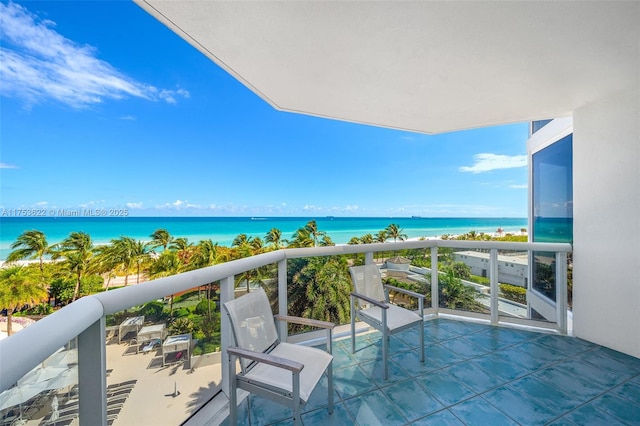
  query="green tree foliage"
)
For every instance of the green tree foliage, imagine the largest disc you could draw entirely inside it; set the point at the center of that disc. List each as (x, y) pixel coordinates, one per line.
(459, 270)
(394, 231)
(19, 287)
(161, 238)
(274, 237)
(77, 250)
(319, 288)
(30, 245)
(453, 294)
(181, 325)
(514, 292)
(153, 311)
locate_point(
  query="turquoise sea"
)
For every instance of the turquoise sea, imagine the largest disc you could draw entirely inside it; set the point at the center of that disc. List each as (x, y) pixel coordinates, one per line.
(224, 229)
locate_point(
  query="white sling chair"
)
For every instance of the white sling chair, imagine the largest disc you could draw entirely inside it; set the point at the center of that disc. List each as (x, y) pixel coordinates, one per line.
(370, 302)
(282, 372)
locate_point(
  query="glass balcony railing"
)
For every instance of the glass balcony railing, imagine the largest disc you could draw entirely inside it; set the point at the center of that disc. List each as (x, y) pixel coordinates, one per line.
(118, 357)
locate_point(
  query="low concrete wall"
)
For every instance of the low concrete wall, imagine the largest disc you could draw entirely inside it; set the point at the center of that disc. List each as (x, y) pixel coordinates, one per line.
(206, 359)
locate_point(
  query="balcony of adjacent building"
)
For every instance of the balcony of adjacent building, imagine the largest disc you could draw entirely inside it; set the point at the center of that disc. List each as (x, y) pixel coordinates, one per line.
(485, 364)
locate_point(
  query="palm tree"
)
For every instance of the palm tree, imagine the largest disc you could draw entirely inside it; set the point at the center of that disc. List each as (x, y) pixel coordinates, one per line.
(320, 288)
(394, 231)
(274, 237)
(312, 227)
(140, 253)
(167, 264)
(18, 287)
(366, 239)
(30, 245)
(183, 248)
(206, 254)
(77, 249)
(106, 262)
(256, 245)
(326, 241)
(123, 255)
(381, 237)
(161, 238)
(301, 238)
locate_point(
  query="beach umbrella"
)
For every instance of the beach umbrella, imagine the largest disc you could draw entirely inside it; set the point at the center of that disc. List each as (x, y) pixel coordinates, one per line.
(42, 374)
(18, 395)
(68, 377)
(62, 358)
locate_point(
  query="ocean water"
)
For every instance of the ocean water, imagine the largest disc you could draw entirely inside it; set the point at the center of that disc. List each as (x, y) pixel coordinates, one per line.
(224, 229)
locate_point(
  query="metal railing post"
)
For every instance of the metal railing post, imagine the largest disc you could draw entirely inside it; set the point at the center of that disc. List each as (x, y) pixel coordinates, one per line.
(368, 258)
(282, 298)
(494, 285)
(226, 294)
(561, 291)
(435, 302)
(92, 374)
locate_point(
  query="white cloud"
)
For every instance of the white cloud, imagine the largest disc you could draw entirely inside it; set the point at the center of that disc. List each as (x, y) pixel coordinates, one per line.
(134, 205)
(485, 162)
(37, 63)
(41, 203)
(524, 186)
(128, 117)
(7, 165)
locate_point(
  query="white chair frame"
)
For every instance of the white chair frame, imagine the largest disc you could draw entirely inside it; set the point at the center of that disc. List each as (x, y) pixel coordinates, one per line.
(249, 359)
(381, 323)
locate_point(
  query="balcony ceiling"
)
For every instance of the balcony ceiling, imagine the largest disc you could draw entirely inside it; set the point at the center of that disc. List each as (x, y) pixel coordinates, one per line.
(431, 66)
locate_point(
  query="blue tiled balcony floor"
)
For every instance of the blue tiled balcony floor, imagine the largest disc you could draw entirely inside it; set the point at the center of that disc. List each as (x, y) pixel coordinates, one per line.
(474, 374)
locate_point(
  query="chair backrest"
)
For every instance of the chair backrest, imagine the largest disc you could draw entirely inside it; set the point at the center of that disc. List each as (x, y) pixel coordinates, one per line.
(252, 321)
(367, 281)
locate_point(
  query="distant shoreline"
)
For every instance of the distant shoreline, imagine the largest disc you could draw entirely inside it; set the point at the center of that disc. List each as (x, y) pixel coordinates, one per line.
(223, 230)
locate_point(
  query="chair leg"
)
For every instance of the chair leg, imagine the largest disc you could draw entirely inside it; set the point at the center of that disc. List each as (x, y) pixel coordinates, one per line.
(385, 344)
(233, 397)
(297, 421)
(330, 386)
(353, 326)
(422, 341)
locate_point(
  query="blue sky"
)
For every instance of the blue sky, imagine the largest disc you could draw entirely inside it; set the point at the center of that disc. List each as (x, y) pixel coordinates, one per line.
(104, 107)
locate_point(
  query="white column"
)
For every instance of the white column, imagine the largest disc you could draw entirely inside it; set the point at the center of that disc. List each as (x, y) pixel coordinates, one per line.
(282, 298)
(226, 294)
(561, 291)
(434, 279)
(493, 280)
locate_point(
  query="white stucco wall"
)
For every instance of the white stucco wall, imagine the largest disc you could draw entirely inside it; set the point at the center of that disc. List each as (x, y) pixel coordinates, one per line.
(606, 161)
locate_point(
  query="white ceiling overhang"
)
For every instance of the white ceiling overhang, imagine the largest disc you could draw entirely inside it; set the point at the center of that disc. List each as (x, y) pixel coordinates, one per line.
(426, 66)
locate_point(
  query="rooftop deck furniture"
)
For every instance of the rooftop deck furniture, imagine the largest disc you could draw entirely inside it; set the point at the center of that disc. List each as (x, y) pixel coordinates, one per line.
(130, 324)
(279, 371)
(370, 302)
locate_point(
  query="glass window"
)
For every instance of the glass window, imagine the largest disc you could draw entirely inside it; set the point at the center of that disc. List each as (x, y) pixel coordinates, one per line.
(552, 208)
(537, 125)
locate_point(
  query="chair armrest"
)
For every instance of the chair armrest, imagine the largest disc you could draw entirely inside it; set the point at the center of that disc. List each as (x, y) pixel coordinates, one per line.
(407, 292)
(374, 302)
(266, 358)
(305, 321)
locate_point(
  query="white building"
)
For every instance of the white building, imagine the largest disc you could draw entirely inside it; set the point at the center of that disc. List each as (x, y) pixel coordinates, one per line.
(511, 269)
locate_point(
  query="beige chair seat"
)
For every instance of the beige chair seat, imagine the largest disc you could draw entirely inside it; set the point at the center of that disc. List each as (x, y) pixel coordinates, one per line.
(397, 317)
(315, 363)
